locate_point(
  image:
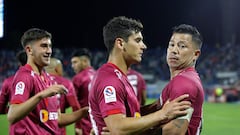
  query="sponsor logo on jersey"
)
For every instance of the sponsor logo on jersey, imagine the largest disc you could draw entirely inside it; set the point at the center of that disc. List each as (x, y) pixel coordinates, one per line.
(19, 89)
(109, 93)
(45, 115)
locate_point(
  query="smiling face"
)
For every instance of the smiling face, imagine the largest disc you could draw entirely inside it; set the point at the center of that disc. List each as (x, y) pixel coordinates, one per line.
(181, 51)
(40, 51)
(133, 49)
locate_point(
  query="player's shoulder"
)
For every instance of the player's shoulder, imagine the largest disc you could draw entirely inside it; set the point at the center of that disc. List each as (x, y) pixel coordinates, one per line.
(8, 79)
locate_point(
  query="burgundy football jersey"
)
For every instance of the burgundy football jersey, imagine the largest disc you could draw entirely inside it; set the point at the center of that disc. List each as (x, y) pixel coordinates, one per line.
(111, 93)
(81, 82)
(43, 118)
(138, 83)
(5, 94)
(187, 82)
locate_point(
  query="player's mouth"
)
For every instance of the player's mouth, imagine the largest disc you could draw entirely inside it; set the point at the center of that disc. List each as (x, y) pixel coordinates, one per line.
(173, 58)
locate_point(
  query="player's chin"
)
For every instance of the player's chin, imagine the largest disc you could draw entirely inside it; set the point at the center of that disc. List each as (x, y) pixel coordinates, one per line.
(46, 63)
(137, 61)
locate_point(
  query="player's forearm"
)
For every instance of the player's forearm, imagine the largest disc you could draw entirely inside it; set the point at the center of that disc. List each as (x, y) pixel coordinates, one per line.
(175, 127)
(129, 125)
(18, 111)
(69, 118)
(147, 109)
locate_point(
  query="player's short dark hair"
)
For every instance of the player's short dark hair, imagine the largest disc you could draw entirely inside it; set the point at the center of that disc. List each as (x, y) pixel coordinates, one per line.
(22, 57)
(189, 29)
(120, 27)
(34, 34)
(82, 52)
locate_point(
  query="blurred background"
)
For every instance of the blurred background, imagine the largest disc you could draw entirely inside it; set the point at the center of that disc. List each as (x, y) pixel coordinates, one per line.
(76, 24)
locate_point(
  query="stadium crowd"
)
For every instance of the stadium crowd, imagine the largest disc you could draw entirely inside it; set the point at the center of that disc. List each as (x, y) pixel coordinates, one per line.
(215, 59)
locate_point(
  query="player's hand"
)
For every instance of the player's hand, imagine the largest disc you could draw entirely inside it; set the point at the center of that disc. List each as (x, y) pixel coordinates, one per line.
(176, 107)
(53, 90)
(78, 131)
(84, 111)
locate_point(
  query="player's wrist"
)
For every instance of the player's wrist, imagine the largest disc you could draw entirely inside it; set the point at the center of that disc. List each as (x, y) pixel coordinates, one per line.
(162, 116)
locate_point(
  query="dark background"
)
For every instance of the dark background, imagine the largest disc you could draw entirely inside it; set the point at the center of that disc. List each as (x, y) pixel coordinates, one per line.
(79, 23)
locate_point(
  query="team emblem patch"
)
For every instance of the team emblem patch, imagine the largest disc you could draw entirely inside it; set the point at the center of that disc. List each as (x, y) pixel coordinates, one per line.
(109, 93)
(19, 89)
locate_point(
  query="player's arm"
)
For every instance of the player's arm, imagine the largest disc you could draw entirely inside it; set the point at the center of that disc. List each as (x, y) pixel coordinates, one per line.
(18, 111)
(72, 98)
(65, 119)
(120, 124)
(178, 126)
(150, 108)
(4, 94)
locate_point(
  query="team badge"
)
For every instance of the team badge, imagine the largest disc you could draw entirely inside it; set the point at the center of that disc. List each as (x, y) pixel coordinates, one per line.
(109, 93)
(19, 89)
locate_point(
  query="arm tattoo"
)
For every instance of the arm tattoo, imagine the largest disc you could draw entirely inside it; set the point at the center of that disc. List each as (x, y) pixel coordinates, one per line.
(178, 123)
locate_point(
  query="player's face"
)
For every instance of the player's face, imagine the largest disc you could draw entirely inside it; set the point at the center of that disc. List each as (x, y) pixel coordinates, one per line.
(77, 64)
(181, 52)
(133, 49)
(41, 51)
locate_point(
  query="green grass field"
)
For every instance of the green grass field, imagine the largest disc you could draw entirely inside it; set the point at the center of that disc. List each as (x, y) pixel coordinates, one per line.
(219, 119)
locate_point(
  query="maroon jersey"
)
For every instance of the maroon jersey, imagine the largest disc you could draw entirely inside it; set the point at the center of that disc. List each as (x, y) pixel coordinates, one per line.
(81, 84)
(42, 120)
(5, 94)
(187, 82)
(111, 93)
(69, 99)
(138, 83)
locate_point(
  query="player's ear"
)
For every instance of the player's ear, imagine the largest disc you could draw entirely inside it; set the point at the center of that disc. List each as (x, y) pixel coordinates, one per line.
(196, 55)
(28, 49)
(119, 42)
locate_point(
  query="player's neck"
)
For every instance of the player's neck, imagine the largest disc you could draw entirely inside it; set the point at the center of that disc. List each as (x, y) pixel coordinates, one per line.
(36, 69)
(119, 62)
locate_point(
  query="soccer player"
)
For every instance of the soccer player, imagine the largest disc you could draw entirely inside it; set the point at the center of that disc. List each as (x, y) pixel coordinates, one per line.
(81, 64)
(182, 53)
(6, 86)
(55, 69)
(112, 101)
(34, 101)
(139, 85)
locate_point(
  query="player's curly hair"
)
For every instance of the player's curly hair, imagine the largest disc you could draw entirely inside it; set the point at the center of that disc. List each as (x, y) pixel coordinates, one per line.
(120, 27)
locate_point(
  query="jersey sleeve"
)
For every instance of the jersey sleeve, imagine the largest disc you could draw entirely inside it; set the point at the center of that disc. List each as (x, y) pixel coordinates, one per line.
(182, 85)
(21, 88)
(72, 97)
(111, 98)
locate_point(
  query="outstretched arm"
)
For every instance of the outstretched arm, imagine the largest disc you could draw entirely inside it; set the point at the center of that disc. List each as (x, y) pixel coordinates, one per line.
(18, 111)
(65, 119)
(120, 124)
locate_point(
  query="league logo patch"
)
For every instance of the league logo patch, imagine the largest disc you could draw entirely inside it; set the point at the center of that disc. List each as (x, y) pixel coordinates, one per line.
(109, 93)
(19, 89)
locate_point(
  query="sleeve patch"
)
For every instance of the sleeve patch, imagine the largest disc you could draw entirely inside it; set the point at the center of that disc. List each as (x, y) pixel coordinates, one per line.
(19, 89)
(109, 93)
